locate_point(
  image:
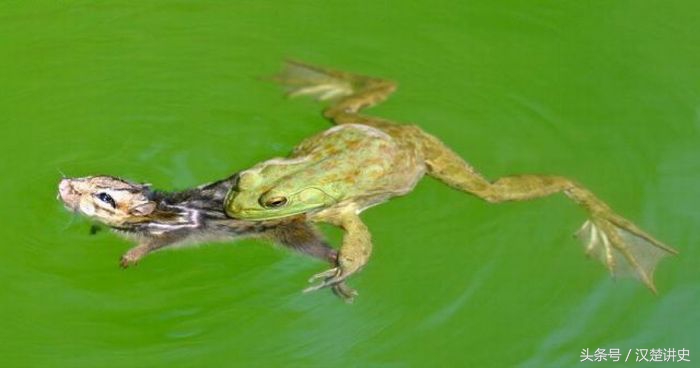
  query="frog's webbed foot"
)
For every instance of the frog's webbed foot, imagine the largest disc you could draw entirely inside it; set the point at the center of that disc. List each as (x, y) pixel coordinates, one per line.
(350, 92)
(335, 279)
(301, 79)
(623, 247)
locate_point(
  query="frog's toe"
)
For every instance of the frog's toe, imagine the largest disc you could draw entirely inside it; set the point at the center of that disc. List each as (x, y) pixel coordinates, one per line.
(321, 92)
(335, 279)
(300, 79)
(332, 277)
(622, 247)
(325, 274)
(345, 292)
(331, 281)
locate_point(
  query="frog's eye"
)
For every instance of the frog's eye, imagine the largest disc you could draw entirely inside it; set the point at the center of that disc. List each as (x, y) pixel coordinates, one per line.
(275, 202)
(106, 198)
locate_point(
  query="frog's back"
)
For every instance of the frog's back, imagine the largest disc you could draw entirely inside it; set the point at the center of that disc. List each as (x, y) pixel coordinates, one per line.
(363, 158)
(342, 139)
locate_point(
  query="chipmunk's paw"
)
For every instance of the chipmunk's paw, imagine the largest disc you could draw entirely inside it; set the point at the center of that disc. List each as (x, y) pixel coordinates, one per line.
(129, 259)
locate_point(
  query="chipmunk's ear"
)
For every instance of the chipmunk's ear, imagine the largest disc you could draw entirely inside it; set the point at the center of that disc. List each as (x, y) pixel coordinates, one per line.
(143, 209)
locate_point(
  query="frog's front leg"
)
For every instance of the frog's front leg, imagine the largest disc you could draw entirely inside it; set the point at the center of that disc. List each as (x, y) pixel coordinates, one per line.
(304, 238)
(354, 252)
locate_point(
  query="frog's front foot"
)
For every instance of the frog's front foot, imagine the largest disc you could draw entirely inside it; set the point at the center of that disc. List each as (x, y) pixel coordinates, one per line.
(345, 292)
(328, 278)
(335, 279)
(622, 246)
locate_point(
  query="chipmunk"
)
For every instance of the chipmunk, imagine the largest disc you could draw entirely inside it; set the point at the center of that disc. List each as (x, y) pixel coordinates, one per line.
(158, 219)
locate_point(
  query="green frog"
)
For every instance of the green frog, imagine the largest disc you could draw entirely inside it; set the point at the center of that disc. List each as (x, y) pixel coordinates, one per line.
(363, 161)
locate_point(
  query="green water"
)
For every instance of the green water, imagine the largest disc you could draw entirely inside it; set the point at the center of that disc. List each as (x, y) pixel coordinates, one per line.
(606, 92)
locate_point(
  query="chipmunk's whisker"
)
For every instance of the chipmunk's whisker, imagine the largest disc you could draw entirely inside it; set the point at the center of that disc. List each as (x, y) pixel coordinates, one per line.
(70, 221)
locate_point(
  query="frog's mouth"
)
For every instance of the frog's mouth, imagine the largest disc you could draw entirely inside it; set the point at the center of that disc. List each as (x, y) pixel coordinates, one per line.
(259, 214)
(262, 214)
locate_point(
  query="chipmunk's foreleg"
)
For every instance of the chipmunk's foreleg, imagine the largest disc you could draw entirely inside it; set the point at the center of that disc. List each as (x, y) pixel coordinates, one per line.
(135, 254)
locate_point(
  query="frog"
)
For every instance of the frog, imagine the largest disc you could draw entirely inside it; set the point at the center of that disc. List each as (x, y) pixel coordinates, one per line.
(363, 161)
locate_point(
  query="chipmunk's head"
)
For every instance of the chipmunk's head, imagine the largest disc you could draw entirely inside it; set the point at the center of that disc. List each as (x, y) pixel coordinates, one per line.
(109, 200)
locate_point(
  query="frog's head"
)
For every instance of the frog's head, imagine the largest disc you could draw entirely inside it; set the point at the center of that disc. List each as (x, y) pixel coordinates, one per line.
(251, 199)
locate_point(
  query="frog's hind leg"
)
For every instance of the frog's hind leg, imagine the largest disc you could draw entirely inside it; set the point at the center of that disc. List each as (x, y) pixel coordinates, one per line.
(615, 241)
(350, 93)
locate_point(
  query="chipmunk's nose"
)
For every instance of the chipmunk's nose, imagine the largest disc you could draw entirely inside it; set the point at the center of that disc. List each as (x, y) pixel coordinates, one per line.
(64, 185)
(68, 194)
(64, 189)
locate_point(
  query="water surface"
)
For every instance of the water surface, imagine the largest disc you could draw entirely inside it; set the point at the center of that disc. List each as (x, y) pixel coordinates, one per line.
(169, 93)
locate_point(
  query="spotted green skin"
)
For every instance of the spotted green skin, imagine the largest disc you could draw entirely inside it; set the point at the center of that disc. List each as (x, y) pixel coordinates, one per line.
(348, 166)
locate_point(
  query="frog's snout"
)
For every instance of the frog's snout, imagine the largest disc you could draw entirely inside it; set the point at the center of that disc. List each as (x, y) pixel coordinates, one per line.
(231, 205)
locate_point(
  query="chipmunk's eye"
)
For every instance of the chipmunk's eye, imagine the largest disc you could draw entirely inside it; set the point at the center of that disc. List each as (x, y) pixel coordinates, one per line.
(106, 198)
(275, 202)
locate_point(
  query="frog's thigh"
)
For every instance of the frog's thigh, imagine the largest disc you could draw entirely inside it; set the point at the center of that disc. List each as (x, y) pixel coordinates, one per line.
(445, 165)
